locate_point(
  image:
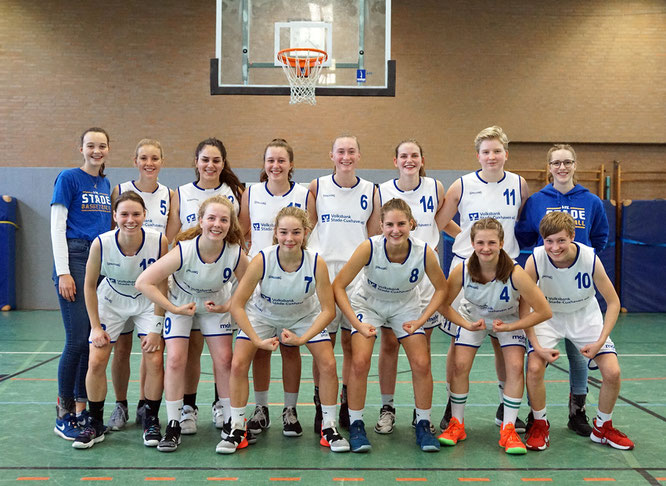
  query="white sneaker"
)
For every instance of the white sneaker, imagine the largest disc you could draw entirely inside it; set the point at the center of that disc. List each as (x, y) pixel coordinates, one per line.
(119, 417)
(386, 420)
(218, 414)
(188, 420)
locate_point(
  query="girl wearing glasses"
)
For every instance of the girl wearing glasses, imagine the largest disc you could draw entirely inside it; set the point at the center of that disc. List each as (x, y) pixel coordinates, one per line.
(565, 195)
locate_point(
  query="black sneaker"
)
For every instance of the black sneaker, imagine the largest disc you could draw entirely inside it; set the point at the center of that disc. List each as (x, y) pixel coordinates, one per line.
(291, 427)
(318, 415)
(259, 421)
(140, 414)
(444, 423)
(579, 424)
(151, 431)
(499, 418)
(530, 422)
(90, 435)
(343, 416)
(171, 439)
(577, 416)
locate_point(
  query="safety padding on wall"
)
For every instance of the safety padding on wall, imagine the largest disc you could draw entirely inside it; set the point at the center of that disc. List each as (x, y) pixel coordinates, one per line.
(8, 229)
(643, 249)
(607, 255)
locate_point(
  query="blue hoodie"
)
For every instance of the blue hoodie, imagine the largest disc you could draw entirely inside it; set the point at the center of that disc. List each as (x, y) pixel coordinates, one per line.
(586, 209)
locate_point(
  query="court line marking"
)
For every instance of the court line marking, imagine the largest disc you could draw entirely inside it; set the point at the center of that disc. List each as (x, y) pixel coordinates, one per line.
(338, 355)
(597, 384)
(536, 479)
(12, 375)
(659, 468)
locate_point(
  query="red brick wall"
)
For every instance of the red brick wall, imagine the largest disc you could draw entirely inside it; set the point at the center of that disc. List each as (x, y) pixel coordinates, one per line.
(582, 72)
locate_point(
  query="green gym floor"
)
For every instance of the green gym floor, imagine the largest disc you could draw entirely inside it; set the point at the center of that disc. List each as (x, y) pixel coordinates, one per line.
(31, 342)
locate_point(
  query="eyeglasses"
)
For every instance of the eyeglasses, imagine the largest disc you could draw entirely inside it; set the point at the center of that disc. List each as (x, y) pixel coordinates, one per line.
(565, 163)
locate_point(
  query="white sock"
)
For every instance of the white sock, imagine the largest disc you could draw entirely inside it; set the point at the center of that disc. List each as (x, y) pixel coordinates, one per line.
(237, 418)
(602, 418)
(226, 408)
(355, 415)
(388, 400)
(290, 399)
(422, 414)
(539, 414)
(328, 416)
(511, 407)
(174, 409)
(261, 398)
(458, 401)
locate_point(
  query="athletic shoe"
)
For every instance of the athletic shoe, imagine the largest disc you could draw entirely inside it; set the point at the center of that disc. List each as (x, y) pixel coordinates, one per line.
(510, 441)
(529, 422)
(453, 434)
(226, 429)
(607, 434)
(444, 423)
(259, 421)
(537, 437)
(235, 440)
(319, 416)
(499, 419)
(151, 431)
(386, 421)
(90, 435)
(578, 421)
(218, 414)
(67, 427)
(291, 427)
(140, 414)
(83, 419)
(331, 438)
(432, 427)
(171, 439)
(425, 439)
(358, 439)
(119, 417)
(188, 420)
(343, 417)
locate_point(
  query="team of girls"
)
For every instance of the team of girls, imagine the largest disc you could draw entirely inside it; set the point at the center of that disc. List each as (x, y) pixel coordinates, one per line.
(377, 282)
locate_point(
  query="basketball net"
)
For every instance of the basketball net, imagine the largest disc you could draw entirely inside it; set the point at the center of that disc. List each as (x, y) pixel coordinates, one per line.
(302, 67)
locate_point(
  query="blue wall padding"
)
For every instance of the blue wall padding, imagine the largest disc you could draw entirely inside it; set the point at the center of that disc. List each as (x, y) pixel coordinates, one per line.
(8, 253)
(643, 249)
(607, 255)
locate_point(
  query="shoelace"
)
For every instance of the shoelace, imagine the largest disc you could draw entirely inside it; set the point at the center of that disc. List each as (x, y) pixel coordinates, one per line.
(289, 416)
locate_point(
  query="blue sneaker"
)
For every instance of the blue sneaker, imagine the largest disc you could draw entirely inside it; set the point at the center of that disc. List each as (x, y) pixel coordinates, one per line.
(358, 440)
(425, 438)
(83, 419)
(67, 427)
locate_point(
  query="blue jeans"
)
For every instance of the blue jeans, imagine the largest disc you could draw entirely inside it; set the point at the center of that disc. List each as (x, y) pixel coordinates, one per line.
(577, 369)
(73, 364)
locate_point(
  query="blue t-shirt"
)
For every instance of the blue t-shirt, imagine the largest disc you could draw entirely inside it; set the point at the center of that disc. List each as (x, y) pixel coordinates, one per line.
(88, 202)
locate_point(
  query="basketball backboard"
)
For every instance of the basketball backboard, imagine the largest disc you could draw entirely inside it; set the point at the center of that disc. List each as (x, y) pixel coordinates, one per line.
(356, 34)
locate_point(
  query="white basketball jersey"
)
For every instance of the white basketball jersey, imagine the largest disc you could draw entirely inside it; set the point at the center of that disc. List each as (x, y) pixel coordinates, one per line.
(120, 270)
(423, 201)
(480, 199)
(386, 280)
(206, 280)
(343, 213)
(264, 206)
(191, 196)
(286, 295)
(566, 289)
(157, 204)
(489, 301)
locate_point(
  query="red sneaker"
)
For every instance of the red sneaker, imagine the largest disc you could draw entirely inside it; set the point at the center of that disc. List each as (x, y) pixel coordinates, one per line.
(538, 438)
(607, 434)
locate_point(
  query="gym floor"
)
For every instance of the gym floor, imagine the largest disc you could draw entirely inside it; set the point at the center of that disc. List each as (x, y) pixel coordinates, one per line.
(31, 342)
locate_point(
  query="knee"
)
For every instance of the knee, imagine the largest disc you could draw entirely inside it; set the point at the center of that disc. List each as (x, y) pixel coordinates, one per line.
(360, 365)
(611, 374)
(176, 361)
(535, 369)
(327, 366)
(153, 361)
(421, 365)
(461, 368)
(97, 363)
(389, 345)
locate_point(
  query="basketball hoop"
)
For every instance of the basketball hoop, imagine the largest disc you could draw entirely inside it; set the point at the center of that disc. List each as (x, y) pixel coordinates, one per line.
(302, 66)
